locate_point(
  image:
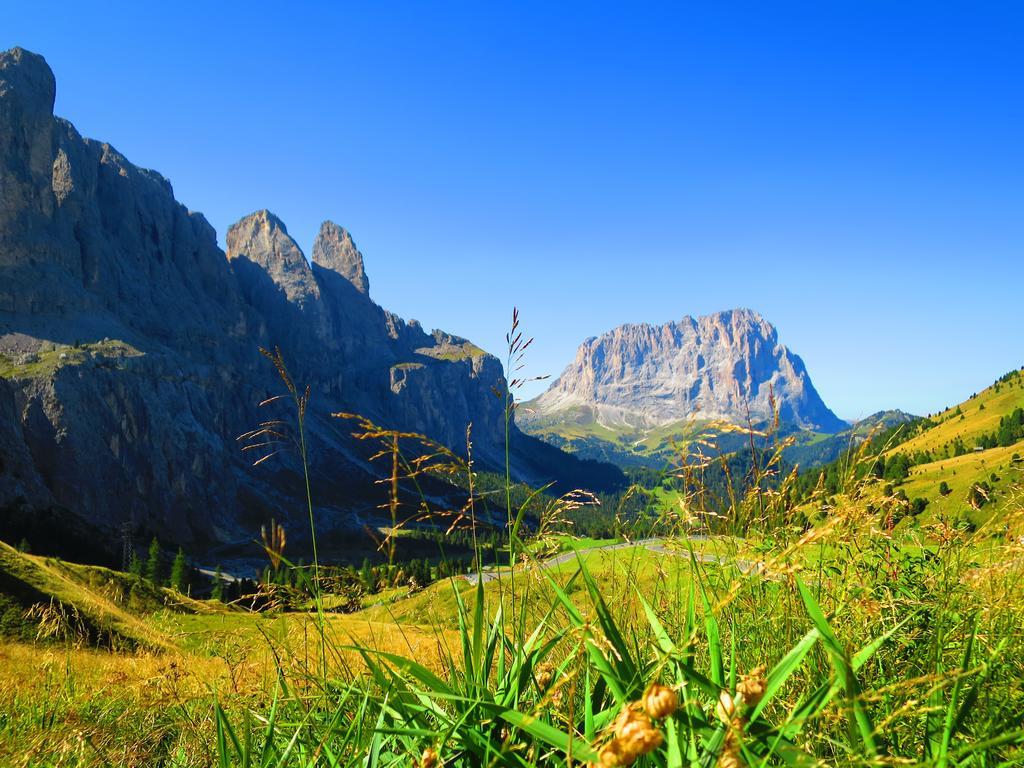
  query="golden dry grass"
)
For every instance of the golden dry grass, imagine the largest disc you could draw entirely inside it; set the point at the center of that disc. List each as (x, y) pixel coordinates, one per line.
(66, 706)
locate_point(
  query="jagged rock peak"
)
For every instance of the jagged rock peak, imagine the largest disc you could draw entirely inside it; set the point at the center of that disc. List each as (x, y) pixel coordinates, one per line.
(741, 320)
(334, 249)
(263, 239)
(262, 220)
(27, 80)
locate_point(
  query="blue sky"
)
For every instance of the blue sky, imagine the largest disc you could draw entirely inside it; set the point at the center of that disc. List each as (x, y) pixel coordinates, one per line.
(852, 170)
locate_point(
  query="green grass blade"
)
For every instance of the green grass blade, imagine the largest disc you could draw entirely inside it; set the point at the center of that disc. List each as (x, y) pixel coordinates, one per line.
(782, 671)
(844, 669)
(224, 728)
(570, 745)
(480, 673)
(954, 699)
(373, 753)
(660, 635)
(673, 754)
(269, 731)
(495, 636)
(711, 628)
(979, 684)
(623, 658)
(609, 675)
(222, 745)
(247, 754)
(589, 731)
(417, 670)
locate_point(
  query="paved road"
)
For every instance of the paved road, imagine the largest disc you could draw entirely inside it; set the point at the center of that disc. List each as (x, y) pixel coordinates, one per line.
(744, 566)
(654, 545)
(212, 573)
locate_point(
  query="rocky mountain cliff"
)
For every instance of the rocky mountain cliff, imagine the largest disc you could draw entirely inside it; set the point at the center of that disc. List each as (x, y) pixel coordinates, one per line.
(129, 350)
(726, 366)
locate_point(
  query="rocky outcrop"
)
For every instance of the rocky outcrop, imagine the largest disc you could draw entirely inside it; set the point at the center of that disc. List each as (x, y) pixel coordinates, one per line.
(262, 240)
(335, 250)
(129, 347)
(726, 366)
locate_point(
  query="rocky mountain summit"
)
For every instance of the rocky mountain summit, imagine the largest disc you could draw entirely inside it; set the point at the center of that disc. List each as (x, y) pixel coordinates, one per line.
(726, 367)
(129, 351)
(335, 250)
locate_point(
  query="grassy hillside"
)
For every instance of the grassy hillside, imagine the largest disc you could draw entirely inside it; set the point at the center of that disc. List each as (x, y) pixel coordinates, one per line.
(975, 417)
(48, 599)
(962, 466)
(997, 471)
(995, 468)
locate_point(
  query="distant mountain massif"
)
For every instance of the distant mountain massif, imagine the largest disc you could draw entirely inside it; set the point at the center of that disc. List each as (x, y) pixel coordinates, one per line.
(130, 363)
(638, 393)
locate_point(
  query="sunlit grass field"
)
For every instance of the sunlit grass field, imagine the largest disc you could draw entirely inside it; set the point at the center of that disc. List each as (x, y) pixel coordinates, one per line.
(942, 631)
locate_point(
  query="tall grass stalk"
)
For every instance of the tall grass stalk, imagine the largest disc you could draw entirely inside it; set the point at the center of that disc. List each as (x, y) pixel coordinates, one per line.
(267, 439)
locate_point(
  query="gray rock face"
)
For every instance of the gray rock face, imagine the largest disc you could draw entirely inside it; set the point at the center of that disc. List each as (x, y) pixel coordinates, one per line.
(129, 343)
(719, 367)
(19, 480)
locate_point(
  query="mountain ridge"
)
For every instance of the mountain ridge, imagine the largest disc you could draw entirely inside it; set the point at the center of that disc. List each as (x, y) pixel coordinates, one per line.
(129, 351)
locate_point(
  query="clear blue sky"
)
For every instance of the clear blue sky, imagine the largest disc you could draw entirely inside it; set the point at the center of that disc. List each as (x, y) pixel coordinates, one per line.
(853, 170)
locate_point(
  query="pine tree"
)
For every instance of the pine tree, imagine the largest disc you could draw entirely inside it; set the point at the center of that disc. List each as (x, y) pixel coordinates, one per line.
(23, 546)
(153, 563)
(218, 585)
(179, 569)
(878, 468)
(135, 567)
(366, 574)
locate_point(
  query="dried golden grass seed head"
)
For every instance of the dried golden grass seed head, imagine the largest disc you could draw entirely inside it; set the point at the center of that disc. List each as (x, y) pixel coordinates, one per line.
(428, 759)
(631, 720)
(660, 701)
(648, 741)
(752, 686)
(612, 754)
(635, 735)
(726, 707)
(729, 759)
(545, 674)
